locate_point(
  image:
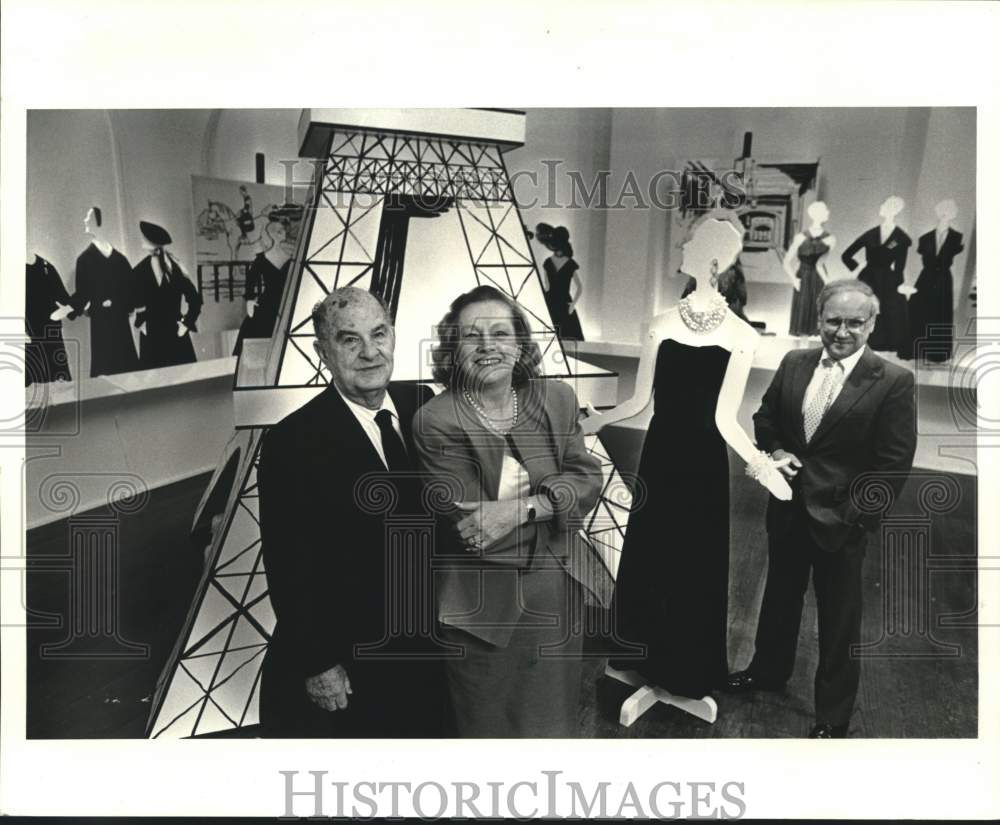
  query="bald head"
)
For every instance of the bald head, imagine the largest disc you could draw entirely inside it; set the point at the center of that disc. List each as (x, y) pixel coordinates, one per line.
(325, 313)
(355, 340)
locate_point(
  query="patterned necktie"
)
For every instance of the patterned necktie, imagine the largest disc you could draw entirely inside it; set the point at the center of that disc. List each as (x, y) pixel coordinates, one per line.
(833, 371)
(392, 444)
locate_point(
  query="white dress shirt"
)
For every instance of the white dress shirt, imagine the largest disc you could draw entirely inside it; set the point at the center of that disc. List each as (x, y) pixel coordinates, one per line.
(366, 418)
(847, 364)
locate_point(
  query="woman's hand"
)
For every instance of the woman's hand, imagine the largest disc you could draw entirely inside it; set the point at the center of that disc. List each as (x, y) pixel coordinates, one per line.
(797, 284)
(487, 522)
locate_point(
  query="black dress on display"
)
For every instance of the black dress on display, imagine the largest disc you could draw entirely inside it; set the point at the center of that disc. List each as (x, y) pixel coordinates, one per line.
(265, 285)
(671, 594)
(557, 299)
(883, 272)
(804, 314)
(161, 346)
(101, 278)
(45, 352)
(932, 305)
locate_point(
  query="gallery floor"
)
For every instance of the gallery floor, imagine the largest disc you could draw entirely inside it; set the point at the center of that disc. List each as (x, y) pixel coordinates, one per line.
(931, 694)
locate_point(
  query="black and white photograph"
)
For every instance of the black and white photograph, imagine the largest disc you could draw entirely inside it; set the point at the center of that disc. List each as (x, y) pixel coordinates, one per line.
(612, 453)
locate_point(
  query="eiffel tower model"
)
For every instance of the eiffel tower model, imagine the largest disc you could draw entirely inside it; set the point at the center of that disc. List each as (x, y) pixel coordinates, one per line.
(430, 183)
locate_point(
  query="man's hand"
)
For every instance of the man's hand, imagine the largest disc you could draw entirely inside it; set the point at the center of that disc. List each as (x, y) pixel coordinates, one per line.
(329, 689)
(106, 303)
(181, 329)
(251, 306)
(487, 521)
(791, 468)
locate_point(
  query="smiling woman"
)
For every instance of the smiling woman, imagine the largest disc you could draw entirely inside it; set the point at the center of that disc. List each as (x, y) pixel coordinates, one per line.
(508, 445)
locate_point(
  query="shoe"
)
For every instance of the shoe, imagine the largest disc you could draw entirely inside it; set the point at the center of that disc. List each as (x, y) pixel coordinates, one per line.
(744, 681)
(825, 730)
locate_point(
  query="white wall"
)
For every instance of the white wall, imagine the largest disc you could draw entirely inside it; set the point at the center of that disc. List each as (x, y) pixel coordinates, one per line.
(137, 165)
(581, 140)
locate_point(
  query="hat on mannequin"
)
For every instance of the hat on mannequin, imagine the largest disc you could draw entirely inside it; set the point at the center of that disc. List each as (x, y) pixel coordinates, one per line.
(155, 234)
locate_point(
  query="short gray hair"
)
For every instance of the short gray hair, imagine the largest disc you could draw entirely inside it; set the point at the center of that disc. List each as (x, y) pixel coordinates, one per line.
(345, 296)
(832, 288)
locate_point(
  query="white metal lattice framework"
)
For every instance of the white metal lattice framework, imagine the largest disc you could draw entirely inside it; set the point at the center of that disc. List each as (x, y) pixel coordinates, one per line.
(211, 680)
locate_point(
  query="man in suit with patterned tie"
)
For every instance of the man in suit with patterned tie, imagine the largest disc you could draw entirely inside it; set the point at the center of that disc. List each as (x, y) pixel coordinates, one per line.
(334, 583)
(833, 413)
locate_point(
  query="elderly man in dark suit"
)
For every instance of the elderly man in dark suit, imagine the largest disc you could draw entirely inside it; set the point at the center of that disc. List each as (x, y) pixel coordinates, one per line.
(334, 584)
(833, 413)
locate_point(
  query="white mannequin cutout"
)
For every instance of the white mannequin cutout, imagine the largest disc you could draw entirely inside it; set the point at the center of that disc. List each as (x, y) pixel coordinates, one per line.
(713, 247)
(946, 211)
(278, 254)
(819, 214)
(890, 207)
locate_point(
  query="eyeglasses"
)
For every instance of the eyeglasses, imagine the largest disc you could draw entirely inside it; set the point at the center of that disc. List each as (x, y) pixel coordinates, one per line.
(852, 324)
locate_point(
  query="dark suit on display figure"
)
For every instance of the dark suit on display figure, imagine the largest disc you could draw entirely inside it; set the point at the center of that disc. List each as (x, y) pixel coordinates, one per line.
(104, 291)
(161, 283)
(886, 247)
(46, 303)
(932, 305)
(326, 556)
(868, 426)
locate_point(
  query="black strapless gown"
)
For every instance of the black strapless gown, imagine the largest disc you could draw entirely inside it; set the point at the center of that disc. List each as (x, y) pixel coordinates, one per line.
(671, 593)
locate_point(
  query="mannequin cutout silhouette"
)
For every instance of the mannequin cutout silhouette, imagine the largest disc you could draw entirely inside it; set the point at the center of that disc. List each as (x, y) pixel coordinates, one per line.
(805, 267)
(104, 291)
(672, 598)
(264, 286)
(163, 286)
(932, 295)
(561, 282)
(885, 247)
(46, 304)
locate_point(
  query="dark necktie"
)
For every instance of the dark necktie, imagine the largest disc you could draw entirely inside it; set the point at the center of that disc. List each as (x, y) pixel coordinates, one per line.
(392, 444)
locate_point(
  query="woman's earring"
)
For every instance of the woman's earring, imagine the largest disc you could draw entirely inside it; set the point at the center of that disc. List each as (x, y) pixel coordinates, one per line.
(714, 280)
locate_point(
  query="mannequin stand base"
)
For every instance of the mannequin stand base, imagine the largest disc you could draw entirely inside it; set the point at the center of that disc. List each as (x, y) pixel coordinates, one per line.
(648, 695)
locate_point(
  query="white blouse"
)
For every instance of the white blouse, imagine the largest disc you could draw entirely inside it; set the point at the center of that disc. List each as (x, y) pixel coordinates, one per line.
(514, 481)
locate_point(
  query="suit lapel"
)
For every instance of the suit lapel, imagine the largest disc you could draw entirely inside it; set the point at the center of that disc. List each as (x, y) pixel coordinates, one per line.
(861, 379)
(950, 241)
(347, 432)
(538, 452)
(485, 445)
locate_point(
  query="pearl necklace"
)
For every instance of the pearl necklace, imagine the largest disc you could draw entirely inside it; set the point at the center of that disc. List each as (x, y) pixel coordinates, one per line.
(707, 321)
(489, 422)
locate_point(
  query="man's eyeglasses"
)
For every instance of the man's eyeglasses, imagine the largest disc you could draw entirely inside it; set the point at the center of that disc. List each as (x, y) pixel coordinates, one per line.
(852, 324)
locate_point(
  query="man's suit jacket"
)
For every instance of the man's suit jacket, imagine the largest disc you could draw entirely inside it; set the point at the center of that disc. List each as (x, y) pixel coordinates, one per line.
(479, 591)
(324, 555)
(871, 426)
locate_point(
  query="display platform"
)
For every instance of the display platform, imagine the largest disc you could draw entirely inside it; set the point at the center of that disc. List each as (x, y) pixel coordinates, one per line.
(946, 396)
